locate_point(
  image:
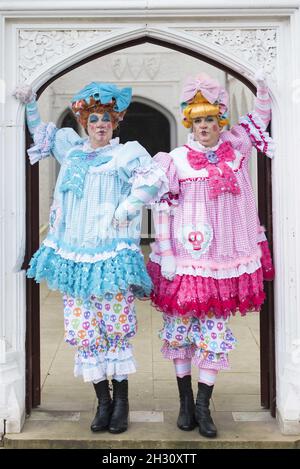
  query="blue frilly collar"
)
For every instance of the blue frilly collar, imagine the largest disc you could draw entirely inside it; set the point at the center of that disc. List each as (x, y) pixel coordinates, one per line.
(80, 159)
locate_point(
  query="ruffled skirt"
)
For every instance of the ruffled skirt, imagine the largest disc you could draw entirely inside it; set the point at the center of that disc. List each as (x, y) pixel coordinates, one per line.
(188, 295)
(126, 270)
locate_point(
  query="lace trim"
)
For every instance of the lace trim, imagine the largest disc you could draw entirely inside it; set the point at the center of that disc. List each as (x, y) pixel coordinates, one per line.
(187, 295)
(88, 149)
(44, 136)
(83, 279)
(93, 366)
(217, 271)
(201, 362)
(171, 353)
(76, 257)
(197, 145)
(260, 139)
(150, 176)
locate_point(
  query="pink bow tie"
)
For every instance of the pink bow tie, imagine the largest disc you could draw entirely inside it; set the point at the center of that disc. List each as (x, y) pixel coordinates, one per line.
(213, 161)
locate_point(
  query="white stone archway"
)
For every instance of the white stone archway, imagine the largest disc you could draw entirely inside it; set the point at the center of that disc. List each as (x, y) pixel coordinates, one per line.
(36, 46)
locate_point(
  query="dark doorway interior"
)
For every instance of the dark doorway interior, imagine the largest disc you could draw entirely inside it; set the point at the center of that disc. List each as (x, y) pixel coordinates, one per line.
(151, 129)
(69, 120)
(147, 125)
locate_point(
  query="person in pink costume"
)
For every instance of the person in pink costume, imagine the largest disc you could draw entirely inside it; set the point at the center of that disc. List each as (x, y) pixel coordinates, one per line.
(211, 255)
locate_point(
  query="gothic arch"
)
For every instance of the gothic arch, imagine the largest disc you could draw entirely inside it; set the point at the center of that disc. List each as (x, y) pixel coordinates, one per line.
(181, 42)
(194, 45)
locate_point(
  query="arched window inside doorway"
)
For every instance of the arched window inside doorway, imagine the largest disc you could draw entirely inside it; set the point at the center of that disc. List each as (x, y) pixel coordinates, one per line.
(69, 120)
(147, 125)
(152, 129)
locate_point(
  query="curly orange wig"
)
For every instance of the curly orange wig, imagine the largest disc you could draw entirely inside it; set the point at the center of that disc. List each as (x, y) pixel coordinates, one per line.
(82, 110)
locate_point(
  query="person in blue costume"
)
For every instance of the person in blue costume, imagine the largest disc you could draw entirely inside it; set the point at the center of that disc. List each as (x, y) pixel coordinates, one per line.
(92, 250)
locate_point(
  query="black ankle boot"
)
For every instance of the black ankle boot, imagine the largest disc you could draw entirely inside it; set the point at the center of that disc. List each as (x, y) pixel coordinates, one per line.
(119, 418)
(206, 425)
(186, 418)
(104, 409)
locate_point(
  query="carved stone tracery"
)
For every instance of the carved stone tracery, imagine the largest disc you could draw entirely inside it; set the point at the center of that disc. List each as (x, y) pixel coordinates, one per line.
(255, 46)
(40, 47)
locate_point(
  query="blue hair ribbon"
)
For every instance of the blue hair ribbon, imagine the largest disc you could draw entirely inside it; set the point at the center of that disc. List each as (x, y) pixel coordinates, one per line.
(105, 92)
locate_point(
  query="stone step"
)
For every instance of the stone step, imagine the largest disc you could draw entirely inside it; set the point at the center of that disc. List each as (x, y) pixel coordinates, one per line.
(71, 430)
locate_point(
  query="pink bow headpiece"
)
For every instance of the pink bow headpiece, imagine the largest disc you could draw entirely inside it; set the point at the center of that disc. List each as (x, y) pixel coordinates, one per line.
(210, 89)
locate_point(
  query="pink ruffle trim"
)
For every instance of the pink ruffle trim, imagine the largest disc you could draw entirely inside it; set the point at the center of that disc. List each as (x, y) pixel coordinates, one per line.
(222, 364)
(181, 352)
(171, 353)
(266, 261)
(188, 295)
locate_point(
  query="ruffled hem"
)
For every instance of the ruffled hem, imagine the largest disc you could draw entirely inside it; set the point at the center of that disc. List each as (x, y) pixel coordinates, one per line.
(151, 175)
(201, 362)
(198, 357)
(164, 206)
(248, 268)
(99, 365)
(90, 258)
(82, 279)
(90, 364)
(266, 261)
(117, 366)
(181, 352)
(186, 295)
(44, 136)
(260, 138)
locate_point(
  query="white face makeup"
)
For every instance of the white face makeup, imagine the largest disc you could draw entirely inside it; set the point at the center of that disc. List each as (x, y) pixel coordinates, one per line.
(206, 130)
(99, 129)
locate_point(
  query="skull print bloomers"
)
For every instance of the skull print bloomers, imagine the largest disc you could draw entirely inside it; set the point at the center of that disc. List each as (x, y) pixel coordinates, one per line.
(221, 251)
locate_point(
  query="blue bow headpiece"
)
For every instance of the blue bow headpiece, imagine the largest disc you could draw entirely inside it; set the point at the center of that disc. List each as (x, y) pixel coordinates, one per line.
(105, 92)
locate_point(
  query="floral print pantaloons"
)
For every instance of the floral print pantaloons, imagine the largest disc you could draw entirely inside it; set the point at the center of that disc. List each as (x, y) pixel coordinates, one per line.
(100, 329)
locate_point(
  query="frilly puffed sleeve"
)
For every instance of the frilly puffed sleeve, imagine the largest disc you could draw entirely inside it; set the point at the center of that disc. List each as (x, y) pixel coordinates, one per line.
(48, 139)
(147, 179)
(169, 199)
(256, 122)
(139, 169)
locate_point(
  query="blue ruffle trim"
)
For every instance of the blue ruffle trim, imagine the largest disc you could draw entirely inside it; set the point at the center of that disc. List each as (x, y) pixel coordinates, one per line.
(82, 279)
(44, 136)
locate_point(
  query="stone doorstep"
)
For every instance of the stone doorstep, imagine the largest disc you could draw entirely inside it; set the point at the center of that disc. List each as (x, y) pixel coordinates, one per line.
(116, 443)
(149, 429)
(141, 416)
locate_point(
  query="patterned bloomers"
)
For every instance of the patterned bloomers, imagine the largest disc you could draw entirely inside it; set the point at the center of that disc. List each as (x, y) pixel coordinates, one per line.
(207, 341)
(100, 328)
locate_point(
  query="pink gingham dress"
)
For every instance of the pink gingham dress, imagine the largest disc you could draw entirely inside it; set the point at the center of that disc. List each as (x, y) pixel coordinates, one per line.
(221, 251)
